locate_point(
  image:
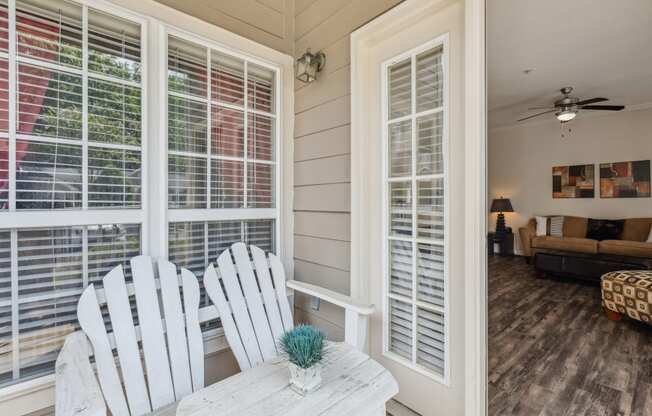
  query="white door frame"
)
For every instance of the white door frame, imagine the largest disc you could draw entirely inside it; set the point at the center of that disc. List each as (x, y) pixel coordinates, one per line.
(475, 278)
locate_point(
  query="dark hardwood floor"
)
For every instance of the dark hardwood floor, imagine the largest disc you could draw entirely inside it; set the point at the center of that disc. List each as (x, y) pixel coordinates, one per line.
(553, 352)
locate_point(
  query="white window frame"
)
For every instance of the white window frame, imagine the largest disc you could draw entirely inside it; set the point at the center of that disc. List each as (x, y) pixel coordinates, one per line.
(14, 220)
(209, 214)
(156, 20)
(219, 214)
(414, 240)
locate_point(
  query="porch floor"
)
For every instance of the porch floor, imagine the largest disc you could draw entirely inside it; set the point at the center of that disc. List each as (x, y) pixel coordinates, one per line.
(552, 350)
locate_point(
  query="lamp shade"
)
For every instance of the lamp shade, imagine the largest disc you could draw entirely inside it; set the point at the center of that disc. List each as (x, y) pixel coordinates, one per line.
(501, 205)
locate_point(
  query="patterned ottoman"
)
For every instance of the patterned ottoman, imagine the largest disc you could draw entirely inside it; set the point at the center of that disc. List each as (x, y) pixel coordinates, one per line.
(628, 293)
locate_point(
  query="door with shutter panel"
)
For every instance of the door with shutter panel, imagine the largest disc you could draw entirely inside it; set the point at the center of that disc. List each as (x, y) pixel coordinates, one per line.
(415, 255)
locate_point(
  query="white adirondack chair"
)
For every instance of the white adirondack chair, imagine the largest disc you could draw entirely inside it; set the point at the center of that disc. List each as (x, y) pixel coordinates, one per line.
(176, 369)
(173, 369)
(258, 312)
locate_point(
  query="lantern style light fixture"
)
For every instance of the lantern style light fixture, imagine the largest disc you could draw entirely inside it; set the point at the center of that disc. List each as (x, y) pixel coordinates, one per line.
(308, 65)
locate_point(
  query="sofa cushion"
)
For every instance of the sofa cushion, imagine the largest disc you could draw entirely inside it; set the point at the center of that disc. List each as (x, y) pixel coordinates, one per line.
(636, 229)
(626, 248)
(579, 245)
(604, 229)
(575, 227)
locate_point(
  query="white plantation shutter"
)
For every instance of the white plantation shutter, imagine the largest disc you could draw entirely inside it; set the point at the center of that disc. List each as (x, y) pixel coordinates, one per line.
(416, 181)
(400, 209)
(77, 147)
(400, 260)
(400, 143)
(400, 89)
(400, 328)
(431, 340)
(429, 79)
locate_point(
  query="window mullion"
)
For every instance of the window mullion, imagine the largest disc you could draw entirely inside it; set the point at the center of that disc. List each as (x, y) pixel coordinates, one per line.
(12, 99)
(11, 66)
(245, 100)
(15, 322)
(84, 108)
(85, 256)
(209, 116)
(415, 196)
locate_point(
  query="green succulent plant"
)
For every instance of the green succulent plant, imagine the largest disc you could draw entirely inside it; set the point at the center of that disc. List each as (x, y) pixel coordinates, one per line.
(303, 345)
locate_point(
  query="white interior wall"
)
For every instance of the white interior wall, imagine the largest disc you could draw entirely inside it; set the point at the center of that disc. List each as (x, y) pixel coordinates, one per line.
(521, 160)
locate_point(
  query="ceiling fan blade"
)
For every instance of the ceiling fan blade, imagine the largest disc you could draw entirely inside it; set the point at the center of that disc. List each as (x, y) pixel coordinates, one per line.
(542, 108)
(538, 114)
(603, 107)
(592, 101)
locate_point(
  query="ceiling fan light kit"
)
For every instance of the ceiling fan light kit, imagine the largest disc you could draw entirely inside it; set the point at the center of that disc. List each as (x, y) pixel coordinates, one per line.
(567, 107)
(566, 115)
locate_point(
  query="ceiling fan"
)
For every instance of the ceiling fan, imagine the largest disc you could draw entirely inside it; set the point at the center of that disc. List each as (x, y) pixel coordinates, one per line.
(566, 108)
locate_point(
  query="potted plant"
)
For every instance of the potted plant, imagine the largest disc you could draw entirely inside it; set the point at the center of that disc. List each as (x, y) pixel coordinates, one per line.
(304, 347)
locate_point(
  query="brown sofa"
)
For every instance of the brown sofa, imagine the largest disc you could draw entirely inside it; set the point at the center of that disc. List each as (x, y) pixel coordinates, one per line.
(631, 243)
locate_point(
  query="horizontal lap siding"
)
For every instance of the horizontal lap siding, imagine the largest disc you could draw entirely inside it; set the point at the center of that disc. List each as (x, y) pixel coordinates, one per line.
(322, 147)
(269, 22)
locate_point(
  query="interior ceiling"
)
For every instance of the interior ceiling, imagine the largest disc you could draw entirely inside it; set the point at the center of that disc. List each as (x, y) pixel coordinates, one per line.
(601, 48)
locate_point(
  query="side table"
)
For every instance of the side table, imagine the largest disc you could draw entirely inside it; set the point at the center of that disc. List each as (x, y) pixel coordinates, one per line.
(505, 243)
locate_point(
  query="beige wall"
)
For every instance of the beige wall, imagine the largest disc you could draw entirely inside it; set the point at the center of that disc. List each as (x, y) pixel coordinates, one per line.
(322, 169)
(521, 160)
(269, 22)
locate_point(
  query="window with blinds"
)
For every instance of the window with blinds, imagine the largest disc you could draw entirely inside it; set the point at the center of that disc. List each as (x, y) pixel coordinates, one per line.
(221, 130)
(416, 214)
(70, 140)
(222, 159)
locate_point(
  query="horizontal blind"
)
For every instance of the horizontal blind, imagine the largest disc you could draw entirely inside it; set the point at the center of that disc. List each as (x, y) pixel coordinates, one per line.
(78, 146)
(195, 245)
(230, 100)
(227, 79)
(50, 271)
(114, 47)
(222, 122)
(186, 182)
(416, 211)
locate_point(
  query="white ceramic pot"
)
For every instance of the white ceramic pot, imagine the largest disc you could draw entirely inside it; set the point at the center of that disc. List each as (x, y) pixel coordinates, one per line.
(305, 380)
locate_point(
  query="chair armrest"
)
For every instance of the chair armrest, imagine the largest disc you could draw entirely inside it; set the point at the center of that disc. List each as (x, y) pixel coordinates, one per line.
(330, 296)
(356, 313)
(77, 390)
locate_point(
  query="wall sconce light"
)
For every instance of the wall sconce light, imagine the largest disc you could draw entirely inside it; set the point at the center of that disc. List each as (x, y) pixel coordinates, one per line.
(308, 65)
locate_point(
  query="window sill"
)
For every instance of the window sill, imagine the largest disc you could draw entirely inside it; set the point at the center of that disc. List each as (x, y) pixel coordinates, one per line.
(39, 393)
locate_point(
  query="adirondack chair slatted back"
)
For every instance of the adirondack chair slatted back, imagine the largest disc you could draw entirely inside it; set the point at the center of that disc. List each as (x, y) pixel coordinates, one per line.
(173, 369)
(257, 311)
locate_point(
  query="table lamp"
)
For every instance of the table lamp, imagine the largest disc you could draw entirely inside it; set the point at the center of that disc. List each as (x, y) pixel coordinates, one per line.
(501, 205)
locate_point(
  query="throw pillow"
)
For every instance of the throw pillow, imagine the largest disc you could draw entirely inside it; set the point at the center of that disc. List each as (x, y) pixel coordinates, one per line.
(604, 229)
(556, 226)
(649, 237)
(542, 226)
